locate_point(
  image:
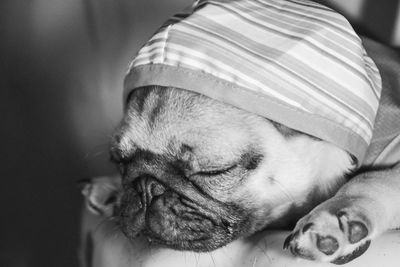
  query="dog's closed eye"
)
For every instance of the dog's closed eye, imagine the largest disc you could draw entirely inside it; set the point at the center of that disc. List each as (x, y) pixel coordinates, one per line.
(215, 172)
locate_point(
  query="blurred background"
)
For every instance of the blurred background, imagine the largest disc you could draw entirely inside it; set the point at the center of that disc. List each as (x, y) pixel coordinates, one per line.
(62, 64)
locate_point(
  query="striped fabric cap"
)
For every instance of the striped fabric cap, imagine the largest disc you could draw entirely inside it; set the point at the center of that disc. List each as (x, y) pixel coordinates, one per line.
(293, 61)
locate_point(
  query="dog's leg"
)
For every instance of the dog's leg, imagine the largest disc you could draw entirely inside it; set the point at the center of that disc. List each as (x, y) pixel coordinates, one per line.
(341, 228)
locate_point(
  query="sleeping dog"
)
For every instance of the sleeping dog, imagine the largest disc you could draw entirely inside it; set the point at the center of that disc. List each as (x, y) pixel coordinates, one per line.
(200, 168)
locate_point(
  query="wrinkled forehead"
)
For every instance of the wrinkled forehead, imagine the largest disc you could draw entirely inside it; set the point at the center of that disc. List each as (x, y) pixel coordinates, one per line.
(178, 122)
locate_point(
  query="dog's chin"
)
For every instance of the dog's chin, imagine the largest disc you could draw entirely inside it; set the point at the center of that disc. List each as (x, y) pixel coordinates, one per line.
(174, 221)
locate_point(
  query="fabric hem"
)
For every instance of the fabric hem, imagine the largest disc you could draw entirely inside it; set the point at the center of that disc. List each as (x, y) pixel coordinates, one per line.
(243, 98)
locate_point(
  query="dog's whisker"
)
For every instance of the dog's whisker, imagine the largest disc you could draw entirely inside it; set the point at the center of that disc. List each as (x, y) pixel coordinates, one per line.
(150, 248)
(255, 261)
(212, 258)
(263, 250)
(94, 154)
(103, 221)
(196, 256)
(97, 150)
(283, 189)
(113, 232)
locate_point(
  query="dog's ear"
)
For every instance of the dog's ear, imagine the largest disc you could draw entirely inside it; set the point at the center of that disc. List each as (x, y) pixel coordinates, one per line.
(101, 194)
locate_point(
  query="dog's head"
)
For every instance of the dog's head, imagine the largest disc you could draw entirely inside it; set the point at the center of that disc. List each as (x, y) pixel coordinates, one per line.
(198, 173)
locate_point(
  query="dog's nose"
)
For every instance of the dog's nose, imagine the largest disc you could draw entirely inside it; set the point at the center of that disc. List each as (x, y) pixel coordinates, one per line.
(148, 187)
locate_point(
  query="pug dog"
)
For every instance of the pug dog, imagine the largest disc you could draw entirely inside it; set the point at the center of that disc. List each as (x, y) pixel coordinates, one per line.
(197, 173)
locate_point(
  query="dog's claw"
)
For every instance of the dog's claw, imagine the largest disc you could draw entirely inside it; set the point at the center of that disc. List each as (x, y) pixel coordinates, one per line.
(287, 242)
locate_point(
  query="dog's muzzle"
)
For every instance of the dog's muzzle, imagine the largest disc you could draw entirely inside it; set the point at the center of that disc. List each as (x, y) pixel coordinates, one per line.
(165, 216)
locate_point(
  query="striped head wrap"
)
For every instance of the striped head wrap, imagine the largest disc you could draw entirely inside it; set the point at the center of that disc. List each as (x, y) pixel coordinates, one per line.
(296, 62)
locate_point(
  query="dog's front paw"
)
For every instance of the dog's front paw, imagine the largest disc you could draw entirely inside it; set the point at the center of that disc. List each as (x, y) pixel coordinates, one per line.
(329, 233)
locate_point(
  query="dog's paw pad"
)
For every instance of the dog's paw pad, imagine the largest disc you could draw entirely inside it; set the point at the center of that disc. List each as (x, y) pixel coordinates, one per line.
(335, 237)
(357, 231)
(327, 244)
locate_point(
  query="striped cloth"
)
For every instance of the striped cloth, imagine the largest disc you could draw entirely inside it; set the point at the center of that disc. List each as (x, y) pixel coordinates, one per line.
(293, 61)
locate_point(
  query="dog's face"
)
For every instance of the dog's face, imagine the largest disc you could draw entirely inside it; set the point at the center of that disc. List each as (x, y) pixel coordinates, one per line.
(198, 173)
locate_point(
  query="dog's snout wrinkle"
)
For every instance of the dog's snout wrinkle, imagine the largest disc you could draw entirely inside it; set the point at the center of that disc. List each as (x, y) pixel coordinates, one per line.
(148, 187)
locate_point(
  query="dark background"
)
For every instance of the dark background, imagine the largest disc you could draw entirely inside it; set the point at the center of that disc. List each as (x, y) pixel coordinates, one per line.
(62, 63)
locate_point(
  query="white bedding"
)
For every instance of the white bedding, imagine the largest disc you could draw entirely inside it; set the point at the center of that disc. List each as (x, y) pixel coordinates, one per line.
(103, 245)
